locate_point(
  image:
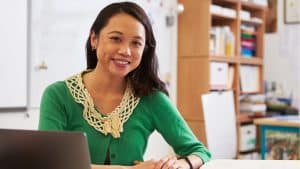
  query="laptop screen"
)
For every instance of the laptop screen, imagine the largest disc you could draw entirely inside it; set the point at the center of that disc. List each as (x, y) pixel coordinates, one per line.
(29, 149)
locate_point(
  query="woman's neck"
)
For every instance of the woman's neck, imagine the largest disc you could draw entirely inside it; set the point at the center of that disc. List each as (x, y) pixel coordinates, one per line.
(103, 83)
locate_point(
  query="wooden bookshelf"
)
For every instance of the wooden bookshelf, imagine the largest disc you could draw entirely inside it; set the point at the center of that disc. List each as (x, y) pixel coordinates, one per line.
(228, 59)
(194, 56)
(222, 17)
(252, 6)
(251, 22)
(251, 61)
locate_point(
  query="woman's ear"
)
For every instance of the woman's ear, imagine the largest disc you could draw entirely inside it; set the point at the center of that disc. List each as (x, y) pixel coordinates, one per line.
(94, 40)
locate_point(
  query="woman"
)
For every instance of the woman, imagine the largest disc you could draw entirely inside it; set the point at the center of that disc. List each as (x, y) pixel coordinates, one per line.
(119, 100)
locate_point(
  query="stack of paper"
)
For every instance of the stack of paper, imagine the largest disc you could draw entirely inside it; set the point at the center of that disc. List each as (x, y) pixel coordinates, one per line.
(253, 103)
(252, 107)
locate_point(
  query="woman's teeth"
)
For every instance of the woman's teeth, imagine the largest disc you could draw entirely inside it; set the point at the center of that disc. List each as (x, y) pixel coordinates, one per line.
(121, 62)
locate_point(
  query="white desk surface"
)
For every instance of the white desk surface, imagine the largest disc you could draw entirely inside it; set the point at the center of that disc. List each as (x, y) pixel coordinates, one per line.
(252, 164)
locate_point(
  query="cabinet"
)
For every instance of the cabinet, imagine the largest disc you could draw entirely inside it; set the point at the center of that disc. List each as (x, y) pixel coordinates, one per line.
(279, 137)
(197, 50)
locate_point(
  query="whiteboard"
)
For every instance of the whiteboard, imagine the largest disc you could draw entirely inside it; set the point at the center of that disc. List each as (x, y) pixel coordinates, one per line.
(13, 56)
(59, 30)
(220, 124)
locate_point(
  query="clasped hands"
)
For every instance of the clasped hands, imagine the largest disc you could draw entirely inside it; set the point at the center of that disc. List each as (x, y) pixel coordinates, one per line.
(169, 162)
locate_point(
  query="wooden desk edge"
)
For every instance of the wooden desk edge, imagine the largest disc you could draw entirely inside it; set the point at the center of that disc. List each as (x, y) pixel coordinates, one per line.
(277, 122)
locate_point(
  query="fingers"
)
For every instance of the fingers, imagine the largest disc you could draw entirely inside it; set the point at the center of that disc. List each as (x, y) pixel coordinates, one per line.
(168, 162)
(136, 162)
(161, 162)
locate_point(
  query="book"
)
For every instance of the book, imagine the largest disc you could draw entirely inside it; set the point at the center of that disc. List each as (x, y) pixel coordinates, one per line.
(249, 77)
(222, 41)
(230, 77)
(253, 107)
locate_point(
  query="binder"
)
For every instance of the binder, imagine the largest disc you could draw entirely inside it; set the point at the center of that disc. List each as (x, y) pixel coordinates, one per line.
(218, 75)
(249, 76)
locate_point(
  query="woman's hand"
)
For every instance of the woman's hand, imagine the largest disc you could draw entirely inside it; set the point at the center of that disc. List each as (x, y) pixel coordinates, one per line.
(171, 162)
(150, 164)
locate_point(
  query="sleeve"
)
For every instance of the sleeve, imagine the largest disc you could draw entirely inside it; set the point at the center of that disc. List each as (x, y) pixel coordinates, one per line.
(52, 111)
(174, 129)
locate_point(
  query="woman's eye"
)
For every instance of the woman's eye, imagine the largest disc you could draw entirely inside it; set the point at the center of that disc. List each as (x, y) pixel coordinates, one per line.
(115, 39)
(137, 44)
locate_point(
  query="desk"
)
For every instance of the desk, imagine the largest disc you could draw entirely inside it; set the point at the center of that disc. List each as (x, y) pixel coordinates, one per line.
(252, 164)
(279, 137)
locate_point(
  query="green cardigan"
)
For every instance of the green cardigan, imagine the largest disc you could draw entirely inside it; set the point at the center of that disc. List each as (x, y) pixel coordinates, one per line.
(59, 111)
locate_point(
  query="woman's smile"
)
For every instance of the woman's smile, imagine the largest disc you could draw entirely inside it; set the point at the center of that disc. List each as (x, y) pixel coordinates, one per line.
(122, 63)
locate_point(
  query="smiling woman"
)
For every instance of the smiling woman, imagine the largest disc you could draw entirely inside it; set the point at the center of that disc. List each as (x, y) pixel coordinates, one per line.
(119, 45)
(120, 100)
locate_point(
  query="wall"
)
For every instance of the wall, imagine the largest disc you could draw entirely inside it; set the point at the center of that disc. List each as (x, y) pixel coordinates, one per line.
(282, 56)
(53, 41)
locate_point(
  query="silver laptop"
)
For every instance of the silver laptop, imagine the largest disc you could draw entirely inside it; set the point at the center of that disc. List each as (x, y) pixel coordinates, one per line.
(28, 149)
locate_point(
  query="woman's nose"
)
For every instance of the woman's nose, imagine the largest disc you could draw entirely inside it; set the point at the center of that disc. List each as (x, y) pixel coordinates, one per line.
(124, 50)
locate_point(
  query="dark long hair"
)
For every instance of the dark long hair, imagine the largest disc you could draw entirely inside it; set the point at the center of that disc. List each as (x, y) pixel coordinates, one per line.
(144, 79)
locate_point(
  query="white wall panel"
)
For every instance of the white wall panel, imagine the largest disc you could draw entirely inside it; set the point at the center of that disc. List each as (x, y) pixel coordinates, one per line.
(13, 55)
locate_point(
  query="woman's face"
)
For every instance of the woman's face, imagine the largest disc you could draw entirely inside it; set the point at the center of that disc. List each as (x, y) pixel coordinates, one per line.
(119, 45)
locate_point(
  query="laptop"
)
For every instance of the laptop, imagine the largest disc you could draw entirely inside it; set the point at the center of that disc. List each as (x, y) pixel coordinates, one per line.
(30, 149)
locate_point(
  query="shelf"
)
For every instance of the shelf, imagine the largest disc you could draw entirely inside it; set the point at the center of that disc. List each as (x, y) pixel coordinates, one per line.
(222, 17)
(222, 2)
(249, 151)
(248, 32)
(226, 3)
(249, 117)
(222, 90)
(245, 118)
(254, 92)
(252, 22)
(251, 61)
(228, 59)
(253, 6)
